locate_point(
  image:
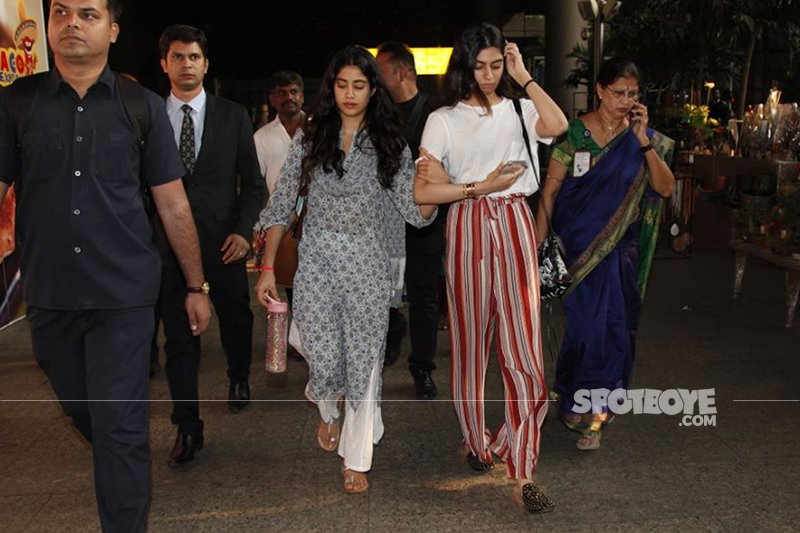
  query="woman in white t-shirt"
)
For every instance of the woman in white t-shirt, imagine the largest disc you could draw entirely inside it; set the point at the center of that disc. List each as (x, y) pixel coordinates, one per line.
(475, 155)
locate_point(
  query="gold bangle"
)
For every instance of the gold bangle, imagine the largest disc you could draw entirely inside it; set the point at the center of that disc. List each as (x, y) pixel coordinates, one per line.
(469, 190)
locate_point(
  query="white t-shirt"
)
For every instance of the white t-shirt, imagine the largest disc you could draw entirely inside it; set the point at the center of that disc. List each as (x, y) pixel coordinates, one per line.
(272, 146)
(470, 143)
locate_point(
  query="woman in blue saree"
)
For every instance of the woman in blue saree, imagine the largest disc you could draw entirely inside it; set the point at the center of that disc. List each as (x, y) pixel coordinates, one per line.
(604, 188)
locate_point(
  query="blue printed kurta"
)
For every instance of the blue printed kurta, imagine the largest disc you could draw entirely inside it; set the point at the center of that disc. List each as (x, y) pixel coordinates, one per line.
(342, 287)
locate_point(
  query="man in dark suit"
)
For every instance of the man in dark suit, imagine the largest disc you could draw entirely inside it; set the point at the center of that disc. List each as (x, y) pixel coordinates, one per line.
(226, 192)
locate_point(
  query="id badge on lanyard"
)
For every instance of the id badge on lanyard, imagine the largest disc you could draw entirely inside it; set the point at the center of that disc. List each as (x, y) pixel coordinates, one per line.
(581, 163)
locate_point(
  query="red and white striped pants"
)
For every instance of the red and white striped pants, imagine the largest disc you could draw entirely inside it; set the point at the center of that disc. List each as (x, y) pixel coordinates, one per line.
(493, 288)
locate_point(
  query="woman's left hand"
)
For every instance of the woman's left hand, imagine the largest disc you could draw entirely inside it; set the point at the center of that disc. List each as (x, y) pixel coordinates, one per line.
(265, 286)
(638, 119)
(514, 63)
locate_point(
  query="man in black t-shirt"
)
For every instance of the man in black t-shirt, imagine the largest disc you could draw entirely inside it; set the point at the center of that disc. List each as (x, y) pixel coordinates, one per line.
(424, 246)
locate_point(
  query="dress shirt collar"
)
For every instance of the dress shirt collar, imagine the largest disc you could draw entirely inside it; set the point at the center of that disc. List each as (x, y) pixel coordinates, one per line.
(55, 81)
(198, 104)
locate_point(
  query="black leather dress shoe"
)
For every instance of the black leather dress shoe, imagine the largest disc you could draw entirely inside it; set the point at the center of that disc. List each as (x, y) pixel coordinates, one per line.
(424, 385)
(186, 445)
(238, 396)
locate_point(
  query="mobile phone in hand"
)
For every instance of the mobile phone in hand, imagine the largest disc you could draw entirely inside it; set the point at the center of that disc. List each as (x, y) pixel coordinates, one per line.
(511, 166)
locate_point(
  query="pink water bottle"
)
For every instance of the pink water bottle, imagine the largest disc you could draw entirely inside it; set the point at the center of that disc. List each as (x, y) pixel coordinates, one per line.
(277, 332)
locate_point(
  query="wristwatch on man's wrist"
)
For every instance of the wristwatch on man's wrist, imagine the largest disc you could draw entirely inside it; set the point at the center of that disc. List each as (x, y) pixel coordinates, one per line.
(205, 288)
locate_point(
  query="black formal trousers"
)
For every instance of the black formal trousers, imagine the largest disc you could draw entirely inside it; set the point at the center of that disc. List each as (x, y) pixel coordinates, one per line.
(230, 295)
(424, 252)
(182, 350)
(97, 362)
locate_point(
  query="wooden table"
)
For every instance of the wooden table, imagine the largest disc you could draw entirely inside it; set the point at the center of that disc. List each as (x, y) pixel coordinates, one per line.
(744, 249)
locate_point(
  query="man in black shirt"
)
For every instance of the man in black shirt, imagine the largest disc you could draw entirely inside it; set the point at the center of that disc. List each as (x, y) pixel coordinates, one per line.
(90, 268)
(424, 246)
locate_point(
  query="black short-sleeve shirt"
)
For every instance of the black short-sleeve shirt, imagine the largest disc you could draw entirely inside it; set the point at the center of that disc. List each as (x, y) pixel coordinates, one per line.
(85, 238)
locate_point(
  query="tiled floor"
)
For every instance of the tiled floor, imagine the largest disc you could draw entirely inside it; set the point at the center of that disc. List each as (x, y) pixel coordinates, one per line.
(262, 471)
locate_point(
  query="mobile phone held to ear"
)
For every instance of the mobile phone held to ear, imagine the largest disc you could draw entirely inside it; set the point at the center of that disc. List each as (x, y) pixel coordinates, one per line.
(511, 166)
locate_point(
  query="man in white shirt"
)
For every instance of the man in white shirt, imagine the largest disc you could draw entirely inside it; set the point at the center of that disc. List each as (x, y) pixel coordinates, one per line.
(273, 140)
(225, 191)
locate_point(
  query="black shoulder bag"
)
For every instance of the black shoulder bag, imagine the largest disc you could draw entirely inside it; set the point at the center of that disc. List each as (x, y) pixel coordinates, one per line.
(554, 278)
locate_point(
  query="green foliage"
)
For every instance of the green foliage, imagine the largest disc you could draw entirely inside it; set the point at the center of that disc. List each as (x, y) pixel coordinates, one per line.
(687, 123)
(679, 44)
(582, 73)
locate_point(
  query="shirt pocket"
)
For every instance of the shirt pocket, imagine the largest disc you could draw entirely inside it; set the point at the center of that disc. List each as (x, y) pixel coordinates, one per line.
(42, 154)
(115, 156)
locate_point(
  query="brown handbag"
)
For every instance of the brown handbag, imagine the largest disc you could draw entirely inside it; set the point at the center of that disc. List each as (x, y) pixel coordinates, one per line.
(286, 256)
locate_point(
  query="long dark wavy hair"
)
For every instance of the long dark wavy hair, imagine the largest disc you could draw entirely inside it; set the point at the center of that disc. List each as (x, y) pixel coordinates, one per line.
(381, 123)
(459, 81)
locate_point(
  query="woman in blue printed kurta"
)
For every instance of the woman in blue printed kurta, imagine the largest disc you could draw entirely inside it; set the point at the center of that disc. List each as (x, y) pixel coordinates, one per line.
(359, 175)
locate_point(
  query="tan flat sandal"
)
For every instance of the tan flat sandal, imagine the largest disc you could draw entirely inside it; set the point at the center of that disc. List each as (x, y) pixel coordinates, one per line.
(328, 435)
(355, 482)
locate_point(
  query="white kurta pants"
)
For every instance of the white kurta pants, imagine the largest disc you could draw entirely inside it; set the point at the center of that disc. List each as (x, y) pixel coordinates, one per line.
(363, 426)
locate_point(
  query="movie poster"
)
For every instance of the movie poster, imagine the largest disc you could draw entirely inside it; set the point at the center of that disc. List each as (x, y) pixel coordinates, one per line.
(23, 51)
